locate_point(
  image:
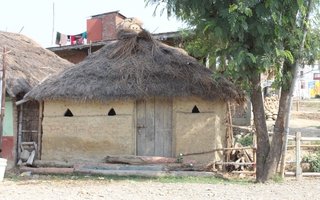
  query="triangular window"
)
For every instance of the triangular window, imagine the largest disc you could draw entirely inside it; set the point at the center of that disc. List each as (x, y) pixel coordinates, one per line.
(195, 110)
(112, 112)
(68, 113)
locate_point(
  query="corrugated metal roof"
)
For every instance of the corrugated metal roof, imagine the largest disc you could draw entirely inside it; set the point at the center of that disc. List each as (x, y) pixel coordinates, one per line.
(118, 11)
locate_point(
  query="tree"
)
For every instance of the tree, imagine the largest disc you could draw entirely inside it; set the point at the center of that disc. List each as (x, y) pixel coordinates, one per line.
(248, 38)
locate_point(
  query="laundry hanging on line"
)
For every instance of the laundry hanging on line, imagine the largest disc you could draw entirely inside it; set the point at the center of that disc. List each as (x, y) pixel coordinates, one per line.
(63, 39)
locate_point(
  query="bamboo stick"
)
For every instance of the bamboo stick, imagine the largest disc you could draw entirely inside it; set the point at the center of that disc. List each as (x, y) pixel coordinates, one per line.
(304, 146)
(39, 130)
(220, 149)
(3, 96)
(20, 130)
(145, 173)
(254, 155)
(243, 172)
(47, 170)
(309, 139)
(230, 133)
(298, 167)
(303, 174)
(31, 131)
(235, 163)
(242, 127)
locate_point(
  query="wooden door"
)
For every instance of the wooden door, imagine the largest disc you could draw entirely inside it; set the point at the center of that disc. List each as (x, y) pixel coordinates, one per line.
(154, 127)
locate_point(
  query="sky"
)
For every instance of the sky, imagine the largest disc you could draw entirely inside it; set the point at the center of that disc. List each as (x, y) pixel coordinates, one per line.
(41, 19)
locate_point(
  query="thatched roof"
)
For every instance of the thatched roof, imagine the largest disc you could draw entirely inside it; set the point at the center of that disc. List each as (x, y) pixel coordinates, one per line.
(136, 67)
(27, 63)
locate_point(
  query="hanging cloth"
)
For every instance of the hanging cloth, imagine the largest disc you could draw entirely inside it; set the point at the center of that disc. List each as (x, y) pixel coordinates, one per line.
(63, 39)
(58, 38)
(84, 35)
(72, 39)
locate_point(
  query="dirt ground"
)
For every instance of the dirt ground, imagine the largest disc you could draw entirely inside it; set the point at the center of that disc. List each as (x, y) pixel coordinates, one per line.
(147, 190)
(306, 120)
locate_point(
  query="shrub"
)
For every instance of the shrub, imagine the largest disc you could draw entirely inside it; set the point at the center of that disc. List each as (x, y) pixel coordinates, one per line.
(246, 141)
(314, 161)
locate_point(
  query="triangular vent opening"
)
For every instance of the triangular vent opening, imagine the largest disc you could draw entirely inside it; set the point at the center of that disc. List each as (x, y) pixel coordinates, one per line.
(68, 113)
(195, 110)
(112, 112)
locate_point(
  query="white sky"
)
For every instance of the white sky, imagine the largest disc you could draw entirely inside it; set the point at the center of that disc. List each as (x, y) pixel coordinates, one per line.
(36, 17)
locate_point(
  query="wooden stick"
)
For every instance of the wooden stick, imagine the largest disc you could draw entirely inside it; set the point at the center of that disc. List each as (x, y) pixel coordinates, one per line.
(20, 130)
(254, 152)
(52, 164)
(304, 146)
(292, 138)
(220, 149)
(230, 134)
(303, 174)
(31, 157)
(234, 163)
(140, 160)
(47, 170)
(243, 172)
(298, 167)
(309, 139)
(146, 173)
(241, 127)
(39, 129)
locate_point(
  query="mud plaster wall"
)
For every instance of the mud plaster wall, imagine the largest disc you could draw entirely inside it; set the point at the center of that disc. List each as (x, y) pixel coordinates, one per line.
(90, 134)
(197, 132)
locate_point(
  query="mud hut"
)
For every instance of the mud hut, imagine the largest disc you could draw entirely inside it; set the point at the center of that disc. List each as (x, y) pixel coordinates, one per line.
(135, 96)
(27, 63)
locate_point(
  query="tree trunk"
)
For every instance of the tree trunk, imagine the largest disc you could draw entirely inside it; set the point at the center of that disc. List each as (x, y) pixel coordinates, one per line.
(277, 140)
(275, 153)
(261, 128)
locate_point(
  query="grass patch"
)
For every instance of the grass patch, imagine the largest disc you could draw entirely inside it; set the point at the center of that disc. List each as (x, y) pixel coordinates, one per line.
(277, 178)
(97, 177)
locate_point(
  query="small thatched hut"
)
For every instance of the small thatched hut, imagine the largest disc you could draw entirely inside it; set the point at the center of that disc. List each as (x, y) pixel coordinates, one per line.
(135, 96)
(27, 63)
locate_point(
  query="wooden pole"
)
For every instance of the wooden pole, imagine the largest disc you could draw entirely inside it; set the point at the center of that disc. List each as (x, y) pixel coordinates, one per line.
(298, 167)
(240, 127)
(3, 97)
(20, 130)
(304, 173)
(235, 163)
(305, 146)
(254, 155)
(40, 129)
(52, 25)
(220, 149)
(230, 134)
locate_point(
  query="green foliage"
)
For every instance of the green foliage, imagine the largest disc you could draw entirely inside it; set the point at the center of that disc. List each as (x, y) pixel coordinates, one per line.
(277, 178)
(180, 158)
(251, 37)
(246, 141)
(314, 161)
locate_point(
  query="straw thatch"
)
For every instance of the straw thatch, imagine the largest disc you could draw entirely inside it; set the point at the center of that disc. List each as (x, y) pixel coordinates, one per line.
(136, 67)
(27, 63)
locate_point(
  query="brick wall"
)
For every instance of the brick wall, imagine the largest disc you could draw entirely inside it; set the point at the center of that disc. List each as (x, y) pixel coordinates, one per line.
(109, 25)
(75, 58)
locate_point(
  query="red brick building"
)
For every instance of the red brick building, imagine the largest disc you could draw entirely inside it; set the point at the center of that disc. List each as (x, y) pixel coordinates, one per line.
(100, 29)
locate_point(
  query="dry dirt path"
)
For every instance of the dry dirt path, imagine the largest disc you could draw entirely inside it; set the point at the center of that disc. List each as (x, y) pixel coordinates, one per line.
(308, 123)
(131, 190)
